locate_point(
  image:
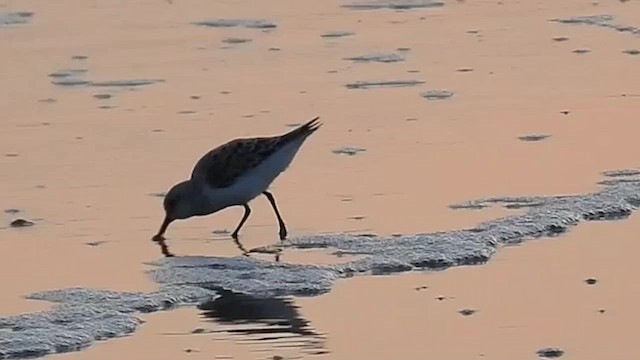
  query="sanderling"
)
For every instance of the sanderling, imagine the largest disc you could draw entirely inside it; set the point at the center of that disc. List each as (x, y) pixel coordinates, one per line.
(233, 174)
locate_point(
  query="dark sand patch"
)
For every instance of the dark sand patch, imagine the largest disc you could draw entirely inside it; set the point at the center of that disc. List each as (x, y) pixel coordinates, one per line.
(221, 232)
(337, 34)
(467, 312)
(67, 73)
(581, 51)
(236, 41)
(15, 18)
(357, 217)
(245, 23)
(78, 82)
(126, 83)
(102, 96)
(19, 223)
(377, 57)
(437, 94)
(383, 84)
(550, 352)
(605, 21)
(348, 150)
(623, 172)
(533, 137)
(468, 206)
(620, 180)
(71, 82)
(393, 5)
(95, 243)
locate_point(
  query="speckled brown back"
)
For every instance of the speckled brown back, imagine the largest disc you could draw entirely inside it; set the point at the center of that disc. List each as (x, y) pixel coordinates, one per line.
(221, 166)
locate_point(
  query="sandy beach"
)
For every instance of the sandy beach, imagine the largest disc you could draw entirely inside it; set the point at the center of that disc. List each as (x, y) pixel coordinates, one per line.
(426, 108)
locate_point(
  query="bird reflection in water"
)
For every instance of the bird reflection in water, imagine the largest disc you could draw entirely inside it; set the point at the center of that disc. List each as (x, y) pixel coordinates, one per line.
(272, 321)
(164, 249)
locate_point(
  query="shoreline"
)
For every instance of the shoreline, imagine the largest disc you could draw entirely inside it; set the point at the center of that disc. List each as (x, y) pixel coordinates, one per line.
(187, 281)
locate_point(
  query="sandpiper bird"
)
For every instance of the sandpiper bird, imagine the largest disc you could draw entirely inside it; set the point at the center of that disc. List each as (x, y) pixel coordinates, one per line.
(233, 174)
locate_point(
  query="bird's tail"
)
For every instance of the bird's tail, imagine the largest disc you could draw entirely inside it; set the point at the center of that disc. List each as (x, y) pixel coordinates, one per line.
(303, 131)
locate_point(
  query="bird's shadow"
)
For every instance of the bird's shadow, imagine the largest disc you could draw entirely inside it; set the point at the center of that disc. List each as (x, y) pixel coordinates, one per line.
(166, 252)
(275, 321)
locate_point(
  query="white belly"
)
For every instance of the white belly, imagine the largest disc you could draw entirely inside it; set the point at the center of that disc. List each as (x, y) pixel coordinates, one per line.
(258, 179)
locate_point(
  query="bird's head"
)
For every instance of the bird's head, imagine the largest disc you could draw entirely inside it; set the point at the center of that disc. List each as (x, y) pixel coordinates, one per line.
(179, 203)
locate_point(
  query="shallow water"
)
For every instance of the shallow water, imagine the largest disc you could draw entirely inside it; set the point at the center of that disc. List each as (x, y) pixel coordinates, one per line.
(86, 315)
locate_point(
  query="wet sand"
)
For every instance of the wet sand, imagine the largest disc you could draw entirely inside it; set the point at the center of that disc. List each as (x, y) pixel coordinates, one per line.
(83, 167)
(526, 298)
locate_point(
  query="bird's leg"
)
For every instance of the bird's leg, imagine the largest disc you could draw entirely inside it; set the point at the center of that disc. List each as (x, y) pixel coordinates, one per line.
(160, 235)
(283, 227)
(247, 212)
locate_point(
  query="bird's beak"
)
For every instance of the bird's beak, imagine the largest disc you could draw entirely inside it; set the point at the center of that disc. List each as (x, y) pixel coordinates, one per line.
(163, 228)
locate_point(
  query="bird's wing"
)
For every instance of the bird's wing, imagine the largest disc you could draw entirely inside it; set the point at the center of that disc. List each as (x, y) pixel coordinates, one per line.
(221, 166)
